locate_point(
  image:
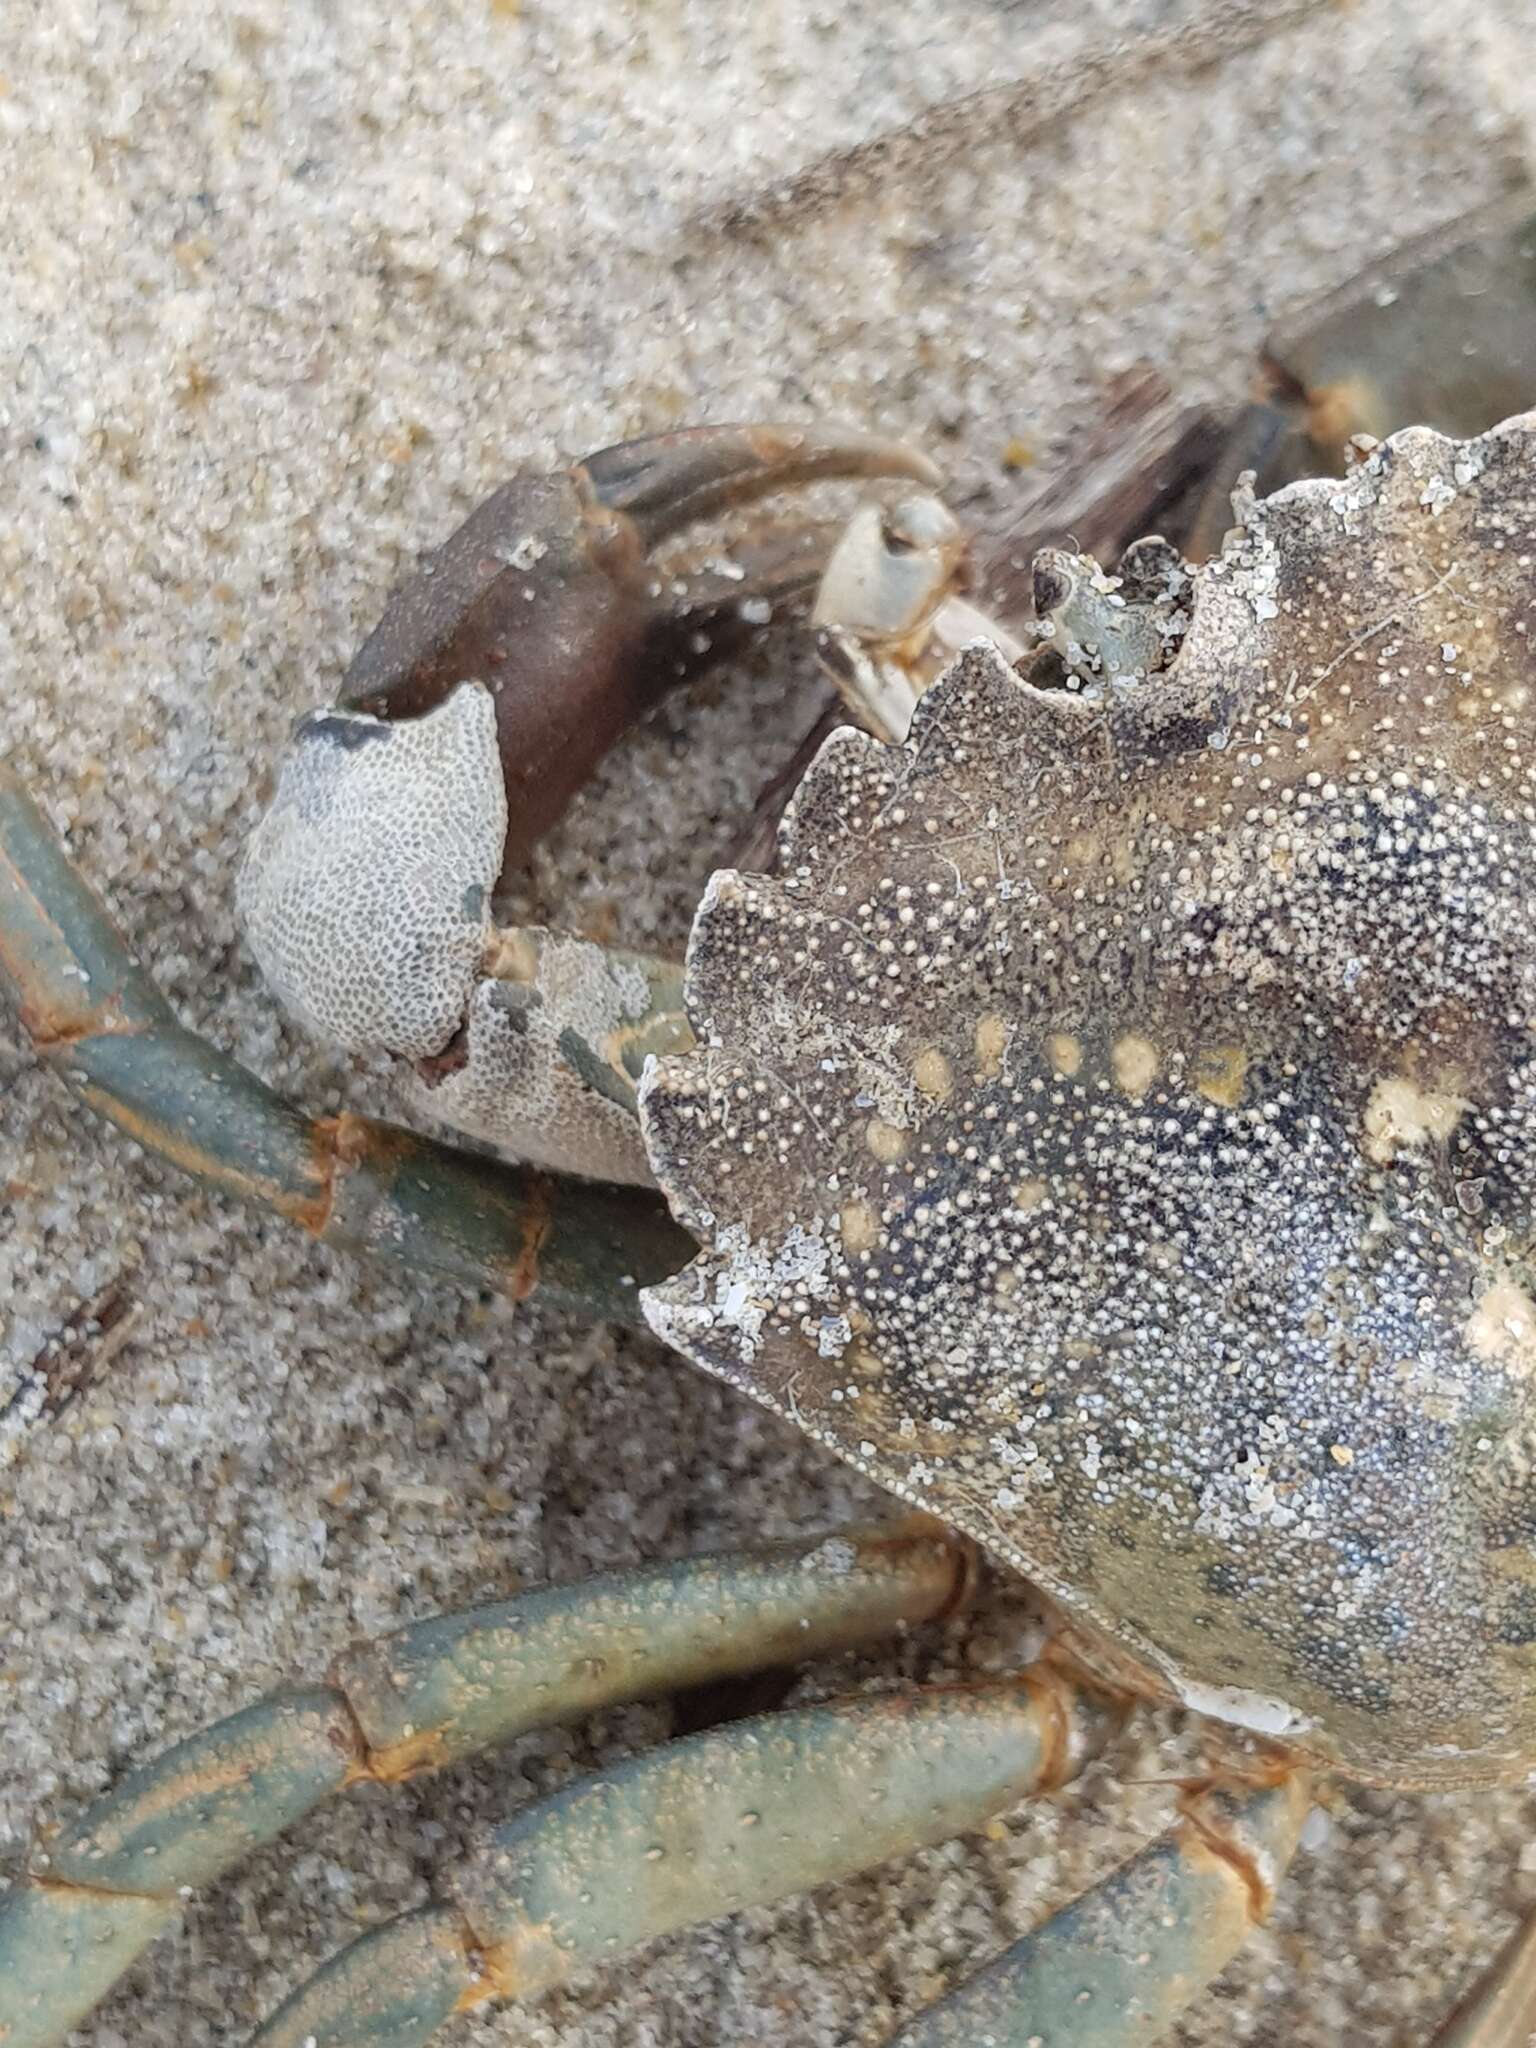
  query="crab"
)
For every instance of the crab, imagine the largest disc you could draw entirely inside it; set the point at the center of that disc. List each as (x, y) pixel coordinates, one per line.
(1110, 1128)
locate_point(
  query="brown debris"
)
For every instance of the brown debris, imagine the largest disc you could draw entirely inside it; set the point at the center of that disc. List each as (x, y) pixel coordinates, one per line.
(74, 1360)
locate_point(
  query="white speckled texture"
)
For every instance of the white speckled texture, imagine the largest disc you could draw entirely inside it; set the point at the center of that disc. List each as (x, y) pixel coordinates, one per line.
(289, 286)
(365, 889)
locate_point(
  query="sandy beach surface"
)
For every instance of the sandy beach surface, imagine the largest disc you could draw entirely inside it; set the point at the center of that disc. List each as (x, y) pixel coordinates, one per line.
(287, 286)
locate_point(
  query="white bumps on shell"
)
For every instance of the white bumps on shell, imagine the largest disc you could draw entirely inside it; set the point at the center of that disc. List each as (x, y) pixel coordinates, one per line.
(365, 891)
(1192, 1275)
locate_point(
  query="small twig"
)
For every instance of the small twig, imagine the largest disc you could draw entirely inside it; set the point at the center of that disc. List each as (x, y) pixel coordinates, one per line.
(73, 1360)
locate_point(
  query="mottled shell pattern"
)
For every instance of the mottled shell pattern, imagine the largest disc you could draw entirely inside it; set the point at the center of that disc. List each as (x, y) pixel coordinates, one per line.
(1114, 1127)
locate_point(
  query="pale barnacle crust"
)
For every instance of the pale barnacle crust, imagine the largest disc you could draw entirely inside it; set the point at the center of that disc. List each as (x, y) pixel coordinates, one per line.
(365, 891)
(1115, 1127)
(556, 1034)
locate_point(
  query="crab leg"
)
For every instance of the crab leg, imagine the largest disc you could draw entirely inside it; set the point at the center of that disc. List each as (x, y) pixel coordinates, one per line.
(736, 1817)
(1121, 1962)
(97, 1019)
(1441, 332)
(429, 1695)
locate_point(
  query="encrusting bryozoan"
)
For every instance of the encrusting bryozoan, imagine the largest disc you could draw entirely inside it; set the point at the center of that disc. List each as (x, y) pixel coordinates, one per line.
(366, 888)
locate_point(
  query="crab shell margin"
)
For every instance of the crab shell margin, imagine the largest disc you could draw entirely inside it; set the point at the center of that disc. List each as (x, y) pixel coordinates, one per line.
(1113, 1128)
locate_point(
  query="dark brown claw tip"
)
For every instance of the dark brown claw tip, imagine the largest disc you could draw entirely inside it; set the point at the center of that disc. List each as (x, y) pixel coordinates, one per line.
(543, 596)
(668, 481)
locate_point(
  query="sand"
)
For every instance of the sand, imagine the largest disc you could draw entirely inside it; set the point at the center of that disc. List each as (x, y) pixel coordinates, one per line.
(286, 289)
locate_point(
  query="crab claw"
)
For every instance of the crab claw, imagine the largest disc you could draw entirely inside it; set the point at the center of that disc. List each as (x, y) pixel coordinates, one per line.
(889, 614)
(545, 595)
(496, 679)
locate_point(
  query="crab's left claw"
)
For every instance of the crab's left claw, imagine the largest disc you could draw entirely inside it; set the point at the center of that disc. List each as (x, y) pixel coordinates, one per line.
(546, 596)
(495, 681)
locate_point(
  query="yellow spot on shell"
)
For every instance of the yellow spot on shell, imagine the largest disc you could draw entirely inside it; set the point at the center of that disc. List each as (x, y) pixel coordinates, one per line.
(1029, 1194)
(859, 1226)
(1134, 1060)
(1064, 1052)
(1220, 1071)
(886, 1142)
(991, 1044)
(1402, 1116)
(1502, 1327)
(933, 1073)
(862, 1362)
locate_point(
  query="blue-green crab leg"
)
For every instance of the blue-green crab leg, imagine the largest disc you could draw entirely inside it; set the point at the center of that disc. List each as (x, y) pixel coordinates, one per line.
(97, 1019)
(1119, 1964)
(736, 1817)
(426, 1696)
